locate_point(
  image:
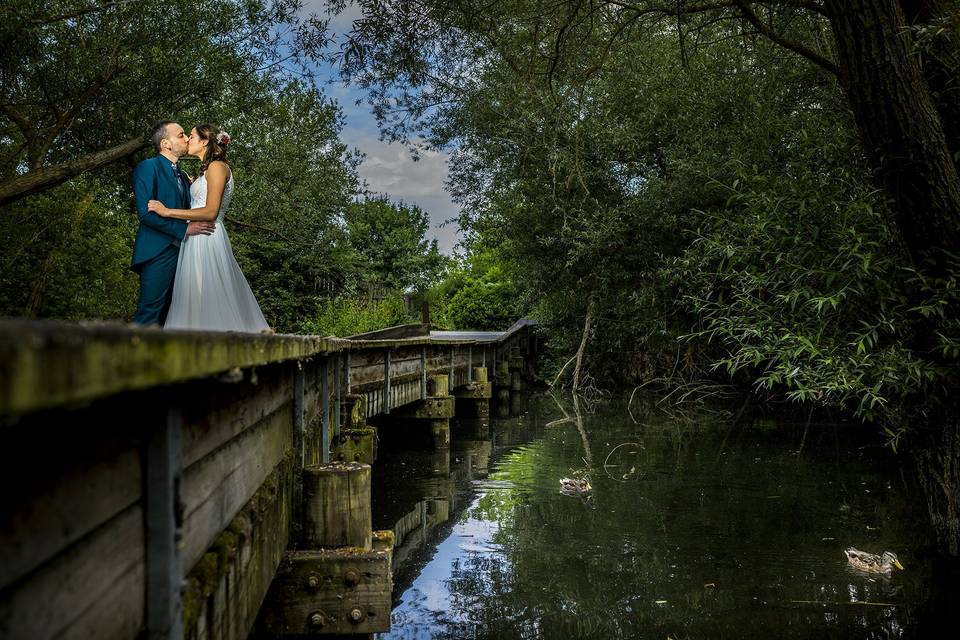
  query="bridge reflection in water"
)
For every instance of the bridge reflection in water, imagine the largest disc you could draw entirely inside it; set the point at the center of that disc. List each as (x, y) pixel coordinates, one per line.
(420, 494)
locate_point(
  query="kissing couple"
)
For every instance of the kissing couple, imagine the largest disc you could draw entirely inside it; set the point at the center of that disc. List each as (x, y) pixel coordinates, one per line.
(189, 278)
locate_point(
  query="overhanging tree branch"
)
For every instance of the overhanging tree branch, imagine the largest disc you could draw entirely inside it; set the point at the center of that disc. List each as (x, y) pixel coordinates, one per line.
(13, 189)
(764, 29)
(76, 14)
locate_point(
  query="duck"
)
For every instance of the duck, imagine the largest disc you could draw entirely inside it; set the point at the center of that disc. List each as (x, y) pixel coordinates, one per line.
(871, 562)
(575, 486)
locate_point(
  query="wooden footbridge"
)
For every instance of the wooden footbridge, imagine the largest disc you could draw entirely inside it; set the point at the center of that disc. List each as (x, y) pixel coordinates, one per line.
(167, 484)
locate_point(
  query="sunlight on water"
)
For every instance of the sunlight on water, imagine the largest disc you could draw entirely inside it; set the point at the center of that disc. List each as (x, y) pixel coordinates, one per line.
(689, 529)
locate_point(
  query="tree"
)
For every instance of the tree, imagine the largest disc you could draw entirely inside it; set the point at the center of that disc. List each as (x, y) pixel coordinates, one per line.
(391, 241)
(81, 82)
(530, 94)
(435, 48)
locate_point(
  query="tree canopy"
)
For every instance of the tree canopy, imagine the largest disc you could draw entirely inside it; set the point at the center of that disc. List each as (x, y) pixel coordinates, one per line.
(760, 193)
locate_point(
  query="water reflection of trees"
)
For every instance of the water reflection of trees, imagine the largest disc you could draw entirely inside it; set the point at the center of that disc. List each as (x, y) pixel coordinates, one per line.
(721, 535)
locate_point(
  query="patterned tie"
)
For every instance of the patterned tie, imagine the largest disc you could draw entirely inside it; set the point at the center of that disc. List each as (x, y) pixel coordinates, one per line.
(176, 173)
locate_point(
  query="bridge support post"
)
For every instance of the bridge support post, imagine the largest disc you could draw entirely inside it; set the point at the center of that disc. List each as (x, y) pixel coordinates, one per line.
(435, 410)
(339, 582)
(516, 368)
(357, 441)
(501, 388)
(473, 399)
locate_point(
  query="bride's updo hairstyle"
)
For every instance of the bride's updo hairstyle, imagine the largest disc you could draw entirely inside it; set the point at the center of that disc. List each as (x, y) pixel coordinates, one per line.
(217, 141)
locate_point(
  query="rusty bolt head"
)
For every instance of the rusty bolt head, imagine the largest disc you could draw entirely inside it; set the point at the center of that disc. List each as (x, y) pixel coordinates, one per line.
(316, 619)
(351, 578)
(356, 616)
(313, 582)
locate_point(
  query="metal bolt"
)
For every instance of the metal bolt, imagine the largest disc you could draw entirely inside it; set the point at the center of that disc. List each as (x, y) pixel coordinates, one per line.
(356, 616)
(351, 578)
(316, 619)
(313, 582)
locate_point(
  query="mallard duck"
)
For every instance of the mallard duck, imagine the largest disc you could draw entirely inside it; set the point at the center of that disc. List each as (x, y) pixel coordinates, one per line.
(871, 562)
(574, 486)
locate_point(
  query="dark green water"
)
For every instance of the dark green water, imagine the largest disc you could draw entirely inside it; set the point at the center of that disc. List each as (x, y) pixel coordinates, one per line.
(694, 528)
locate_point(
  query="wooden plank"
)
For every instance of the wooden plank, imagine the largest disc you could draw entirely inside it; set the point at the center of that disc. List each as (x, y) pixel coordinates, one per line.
(215, 412)
(400, 331)
(349, 374)
(215, 488)
(46, 364)
(299, 425)
(386, 382)
(311, 387)
(336, 396)
(94, 589)
(423, 373)
(378, 384)
(65, 481)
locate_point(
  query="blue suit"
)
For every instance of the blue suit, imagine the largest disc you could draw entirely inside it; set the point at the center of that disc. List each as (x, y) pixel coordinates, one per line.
(157, 247)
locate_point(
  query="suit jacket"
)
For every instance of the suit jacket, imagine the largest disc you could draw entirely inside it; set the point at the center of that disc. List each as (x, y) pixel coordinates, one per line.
(156, 179)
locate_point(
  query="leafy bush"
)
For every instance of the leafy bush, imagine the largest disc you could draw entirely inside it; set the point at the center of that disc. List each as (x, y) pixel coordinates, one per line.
(483, 306)
(346, 316)
(799, 283)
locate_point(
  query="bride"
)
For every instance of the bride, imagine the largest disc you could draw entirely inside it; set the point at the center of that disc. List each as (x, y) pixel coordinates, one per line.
(209, 290)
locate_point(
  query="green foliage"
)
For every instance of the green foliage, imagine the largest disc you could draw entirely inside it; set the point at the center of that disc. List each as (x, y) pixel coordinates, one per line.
(804, 290)
(482, 306)
(476, 294)
(390, 239)
(705, 191)
(82, 77)
(346, 316)
(65, 255)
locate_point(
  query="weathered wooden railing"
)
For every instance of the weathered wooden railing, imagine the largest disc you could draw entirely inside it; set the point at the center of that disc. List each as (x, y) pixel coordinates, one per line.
(152, 480)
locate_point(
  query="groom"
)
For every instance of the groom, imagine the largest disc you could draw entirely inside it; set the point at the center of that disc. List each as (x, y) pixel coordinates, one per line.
(157, 247)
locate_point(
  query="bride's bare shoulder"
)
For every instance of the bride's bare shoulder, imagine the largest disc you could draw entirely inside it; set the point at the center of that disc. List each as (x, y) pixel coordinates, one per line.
(220, 169)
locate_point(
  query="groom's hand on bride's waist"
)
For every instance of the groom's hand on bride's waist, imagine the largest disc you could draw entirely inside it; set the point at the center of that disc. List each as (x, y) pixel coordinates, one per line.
(198, 228)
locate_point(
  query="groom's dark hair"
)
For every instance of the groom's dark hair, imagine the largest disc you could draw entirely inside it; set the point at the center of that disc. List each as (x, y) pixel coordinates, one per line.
(159, 133)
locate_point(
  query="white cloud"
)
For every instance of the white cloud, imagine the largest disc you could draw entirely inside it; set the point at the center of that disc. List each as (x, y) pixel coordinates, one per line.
(391, 170)
(340, 23)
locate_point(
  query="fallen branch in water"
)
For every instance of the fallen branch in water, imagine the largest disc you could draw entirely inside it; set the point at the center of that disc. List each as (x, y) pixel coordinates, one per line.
(578, 356)
(607, 467)
(583, 344)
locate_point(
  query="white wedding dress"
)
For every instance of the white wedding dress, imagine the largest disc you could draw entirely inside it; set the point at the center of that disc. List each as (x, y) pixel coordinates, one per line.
(209, 290)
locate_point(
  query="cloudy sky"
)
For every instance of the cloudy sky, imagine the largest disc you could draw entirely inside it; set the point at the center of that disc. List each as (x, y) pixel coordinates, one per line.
(389, 168)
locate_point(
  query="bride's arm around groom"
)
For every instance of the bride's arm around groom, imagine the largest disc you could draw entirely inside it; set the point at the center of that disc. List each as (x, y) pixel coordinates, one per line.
(216, 176)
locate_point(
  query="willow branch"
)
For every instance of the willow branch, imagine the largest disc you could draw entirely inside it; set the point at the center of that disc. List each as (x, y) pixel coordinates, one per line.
(76, 14)
(765, 30)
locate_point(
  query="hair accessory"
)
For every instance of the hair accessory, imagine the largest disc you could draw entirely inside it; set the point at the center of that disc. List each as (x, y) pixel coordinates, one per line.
(223, 138)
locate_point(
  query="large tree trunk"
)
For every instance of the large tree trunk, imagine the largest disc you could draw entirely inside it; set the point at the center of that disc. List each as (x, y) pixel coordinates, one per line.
(898, 123)
(17, 187)
(936, 454)
(940, 59)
